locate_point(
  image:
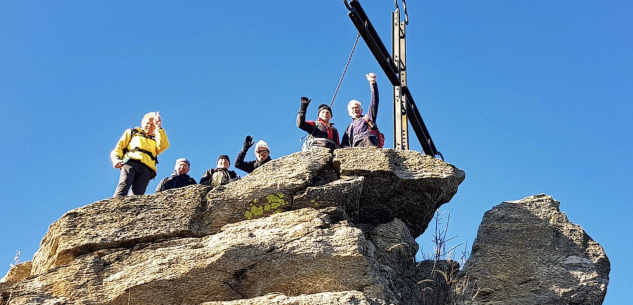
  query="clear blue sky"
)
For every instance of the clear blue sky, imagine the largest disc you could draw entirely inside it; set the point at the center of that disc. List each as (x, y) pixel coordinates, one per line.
(526, 97)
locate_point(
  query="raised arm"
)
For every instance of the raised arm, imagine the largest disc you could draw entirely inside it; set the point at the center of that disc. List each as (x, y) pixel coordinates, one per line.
(239, 161)
(301, 116)
(372, 112)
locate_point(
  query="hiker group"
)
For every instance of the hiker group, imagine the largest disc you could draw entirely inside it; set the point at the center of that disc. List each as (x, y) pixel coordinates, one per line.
(136, 152)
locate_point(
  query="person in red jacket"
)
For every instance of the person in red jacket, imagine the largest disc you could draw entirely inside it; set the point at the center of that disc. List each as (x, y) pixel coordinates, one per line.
(321, 133)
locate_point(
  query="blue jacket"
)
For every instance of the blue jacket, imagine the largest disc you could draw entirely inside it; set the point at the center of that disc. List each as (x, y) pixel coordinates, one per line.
(174, 181)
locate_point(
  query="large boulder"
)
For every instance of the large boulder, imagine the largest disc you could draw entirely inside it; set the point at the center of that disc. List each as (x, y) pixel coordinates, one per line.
(401, 184)
(121, 222)
(301, 252)
(527, 252)
(387, 185)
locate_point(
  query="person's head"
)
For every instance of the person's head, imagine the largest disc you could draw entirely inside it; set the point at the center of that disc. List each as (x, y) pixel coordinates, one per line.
(182, 166)
(325, 113)
(223, 162)
(354, 109)
(261, 150)
(147, 123)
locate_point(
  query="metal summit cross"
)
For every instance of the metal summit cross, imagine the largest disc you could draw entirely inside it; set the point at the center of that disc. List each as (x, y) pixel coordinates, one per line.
(396, 70)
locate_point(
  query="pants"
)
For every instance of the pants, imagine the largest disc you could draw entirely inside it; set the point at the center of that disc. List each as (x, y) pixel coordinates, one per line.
(133, 175)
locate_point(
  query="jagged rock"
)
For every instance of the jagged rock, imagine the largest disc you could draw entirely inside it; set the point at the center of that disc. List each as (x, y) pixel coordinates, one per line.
(270, 188)
(308, 176)
(308, 228)
(329, 298)
(401, 184)
(17, 272)
(527, 252)
(121, 222)
(305, 251)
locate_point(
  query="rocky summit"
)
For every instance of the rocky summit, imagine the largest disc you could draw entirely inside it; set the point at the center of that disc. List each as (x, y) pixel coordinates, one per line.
(309, 228)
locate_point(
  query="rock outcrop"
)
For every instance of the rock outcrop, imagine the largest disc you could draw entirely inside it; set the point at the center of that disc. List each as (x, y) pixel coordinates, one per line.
(308, 228)
(527, 252)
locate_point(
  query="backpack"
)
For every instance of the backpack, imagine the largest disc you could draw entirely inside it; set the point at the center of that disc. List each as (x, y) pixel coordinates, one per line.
(310, 139)
(126, 150)
(373, 128)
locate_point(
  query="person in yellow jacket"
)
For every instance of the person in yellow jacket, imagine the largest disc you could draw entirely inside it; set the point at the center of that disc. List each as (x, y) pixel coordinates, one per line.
(136, 155)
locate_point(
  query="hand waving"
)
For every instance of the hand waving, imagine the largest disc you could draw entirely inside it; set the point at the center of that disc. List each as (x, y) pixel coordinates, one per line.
(248, 142)
(158, 122)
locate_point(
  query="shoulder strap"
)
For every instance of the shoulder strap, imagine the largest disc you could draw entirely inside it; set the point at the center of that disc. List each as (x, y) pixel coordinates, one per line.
(371, 125)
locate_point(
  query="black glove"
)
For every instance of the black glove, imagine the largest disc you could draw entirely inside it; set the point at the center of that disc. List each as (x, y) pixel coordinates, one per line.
(248, 142)
(305, 102)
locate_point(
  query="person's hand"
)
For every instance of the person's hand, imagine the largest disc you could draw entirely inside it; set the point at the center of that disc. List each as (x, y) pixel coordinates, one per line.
(371, 77)
(158, 122)
(305, 102)
(118, 164)
(248, 142)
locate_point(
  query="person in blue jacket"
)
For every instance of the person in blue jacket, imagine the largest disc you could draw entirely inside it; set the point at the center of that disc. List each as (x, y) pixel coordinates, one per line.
(179, 178)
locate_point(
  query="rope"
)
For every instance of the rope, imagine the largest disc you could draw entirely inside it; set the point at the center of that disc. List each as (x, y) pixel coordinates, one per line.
(345, 70)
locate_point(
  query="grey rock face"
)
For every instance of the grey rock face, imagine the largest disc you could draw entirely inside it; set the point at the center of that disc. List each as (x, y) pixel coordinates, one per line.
(308, 228)
(299, 252)
(122, 222)
(399, 184)
(328, 298)
(527, 252)
(289, 231)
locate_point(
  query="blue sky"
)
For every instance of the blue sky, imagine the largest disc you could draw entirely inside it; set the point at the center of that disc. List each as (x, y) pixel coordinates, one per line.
(527, 97)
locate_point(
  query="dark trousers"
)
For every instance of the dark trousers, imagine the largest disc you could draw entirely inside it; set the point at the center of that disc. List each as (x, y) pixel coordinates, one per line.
(133, 175)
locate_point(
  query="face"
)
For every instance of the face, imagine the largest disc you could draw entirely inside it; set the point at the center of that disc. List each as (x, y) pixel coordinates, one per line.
(223, 163)
(325, 115)
(182, 168)
(355, 110)
(148, 125)
(261, 154)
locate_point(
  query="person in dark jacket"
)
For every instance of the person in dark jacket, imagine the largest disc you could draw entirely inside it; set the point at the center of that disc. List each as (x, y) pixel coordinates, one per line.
(178, 178)
(262, 155)
(321, 133)
(220, 175)
(358, 132)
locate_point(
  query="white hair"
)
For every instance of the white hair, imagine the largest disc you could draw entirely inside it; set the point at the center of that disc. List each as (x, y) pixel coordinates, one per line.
(148, 115)
(353, 102)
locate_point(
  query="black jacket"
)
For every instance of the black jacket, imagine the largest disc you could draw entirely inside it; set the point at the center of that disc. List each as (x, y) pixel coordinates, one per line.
(229, 176)
(174, 181)
(248, 166)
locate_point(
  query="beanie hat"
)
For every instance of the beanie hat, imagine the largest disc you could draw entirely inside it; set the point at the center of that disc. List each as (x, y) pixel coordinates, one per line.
(263, 144)
(324, 106)
(183, 160)
(224, 157)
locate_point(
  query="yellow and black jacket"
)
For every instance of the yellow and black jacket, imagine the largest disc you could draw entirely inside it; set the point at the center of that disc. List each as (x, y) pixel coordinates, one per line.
(139, 146)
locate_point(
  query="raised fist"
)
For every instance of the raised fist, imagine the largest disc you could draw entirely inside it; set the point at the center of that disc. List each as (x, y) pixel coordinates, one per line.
(305, 101)
(371, 77)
